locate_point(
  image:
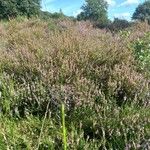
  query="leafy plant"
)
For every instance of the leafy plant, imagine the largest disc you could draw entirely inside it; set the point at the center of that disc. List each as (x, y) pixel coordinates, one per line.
(142, 52)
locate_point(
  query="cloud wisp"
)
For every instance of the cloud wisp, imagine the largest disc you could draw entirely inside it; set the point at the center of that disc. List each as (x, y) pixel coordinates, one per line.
(129, 2)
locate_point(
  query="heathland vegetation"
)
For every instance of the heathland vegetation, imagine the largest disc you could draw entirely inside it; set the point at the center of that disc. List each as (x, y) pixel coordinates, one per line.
(67, 84)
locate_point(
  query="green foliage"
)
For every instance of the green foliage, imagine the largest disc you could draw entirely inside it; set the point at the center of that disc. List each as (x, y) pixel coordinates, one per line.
(57, 15)
(64, 128)
(28, 7)
(81, 16)
(95, 11)
(13, 8)
(142, 52)
(8, 9)
(142, 12)
(119, 24)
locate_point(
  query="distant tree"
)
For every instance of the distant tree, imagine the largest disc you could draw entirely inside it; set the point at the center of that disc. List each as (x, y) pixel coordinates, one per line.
(119, 24)
(8, 9)
(57, 15)
(28, 7)
(142, 12)
(81, 16)
(13, 8)
(45, 15)
(95, 11)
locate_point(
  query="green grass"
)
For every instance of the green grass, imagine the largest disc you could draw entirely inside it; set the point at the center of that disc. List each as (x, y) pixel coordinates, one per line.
(64, 127)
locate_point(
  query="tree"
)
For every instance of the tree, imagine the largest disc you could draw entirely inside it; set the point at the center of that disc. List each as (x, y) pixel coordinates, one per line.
(119, 24)
(57, 15)
(81, 16)
(7, 9)
(28, 7)
(13, 8)
(142, 12)
(95, 11)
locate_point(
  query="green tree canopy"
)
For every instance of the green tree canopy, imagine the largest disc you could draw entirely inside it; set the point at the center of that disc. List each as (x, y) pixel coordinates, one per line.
(7, 9)
(142, 12)
(13, 8)
(95, 11)
(119, 24)
(57, 15)
(28, 7)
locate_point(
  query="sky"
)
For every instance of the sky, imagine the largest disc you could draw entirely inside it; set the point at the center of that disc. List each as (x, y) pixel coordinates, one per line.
(122, 9)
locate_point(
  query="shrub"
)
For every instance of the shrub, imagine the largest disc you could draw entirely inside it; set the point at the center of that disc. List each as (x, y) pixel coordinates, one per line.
(13, 8)
(95, 74)
(118, 24)
(142, 52)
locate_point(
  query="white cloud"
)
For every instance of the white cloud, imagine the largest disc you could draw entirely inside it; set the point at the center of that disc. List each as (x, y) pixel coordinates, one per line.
(125, 15)
(77, 12)
(129, 2)
(111, 2)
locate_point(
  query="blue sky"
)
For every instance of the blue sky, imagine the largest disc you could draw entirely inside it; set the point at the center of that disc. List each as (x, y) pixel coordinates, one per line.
(117, 8)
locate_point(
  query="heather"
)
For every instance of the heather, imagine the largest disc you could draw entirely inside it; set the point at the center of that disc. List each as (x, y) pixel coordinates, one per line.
(68, 85)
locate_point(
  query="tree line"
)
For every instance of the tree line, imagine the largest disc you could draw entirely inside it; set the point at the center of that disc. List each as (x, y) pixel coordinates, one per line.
(13, 8)
(95, 11)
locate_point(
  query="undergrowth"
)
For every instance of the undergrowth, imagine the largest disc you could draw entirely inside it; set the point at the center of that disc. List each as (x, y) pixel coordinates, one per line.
(66, 85)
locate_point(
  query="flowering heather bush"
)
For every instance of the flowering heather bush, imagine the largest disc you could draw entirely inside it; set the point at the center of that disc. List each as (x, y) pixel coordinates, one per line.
(94, 73)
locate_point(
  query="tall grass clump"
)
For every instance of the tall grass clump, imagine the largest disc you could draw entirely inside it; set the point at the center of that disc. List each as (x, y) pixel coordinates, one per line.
(98, 76)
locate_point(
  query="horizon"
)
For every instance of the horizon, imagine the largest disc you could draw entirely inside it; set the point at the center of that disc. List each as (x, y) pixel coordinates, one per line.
(122, 9)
